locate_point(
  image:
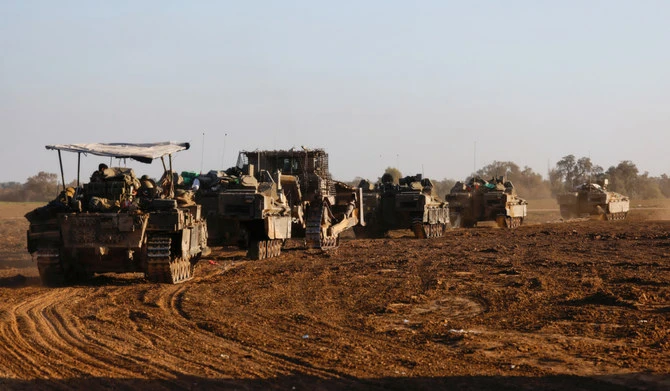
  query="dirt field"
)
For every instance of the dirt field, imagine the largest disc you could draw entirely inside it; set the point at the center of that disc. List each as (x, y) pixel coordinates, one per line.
(578, 305)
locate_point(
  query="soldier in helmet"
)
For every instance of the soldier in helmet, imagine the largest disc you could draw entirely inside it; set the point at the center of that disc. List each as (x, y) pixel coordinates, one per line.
(99, 175)
(147, 187)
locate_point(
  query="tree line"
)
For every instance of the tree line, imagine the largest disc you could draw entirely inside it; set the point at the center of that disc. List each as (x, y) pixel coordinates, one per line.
(570, 171)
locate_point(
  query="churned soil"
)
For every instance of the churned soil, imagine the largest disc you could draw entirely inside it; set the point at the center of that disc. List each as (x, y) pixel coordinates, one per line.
(552, 305)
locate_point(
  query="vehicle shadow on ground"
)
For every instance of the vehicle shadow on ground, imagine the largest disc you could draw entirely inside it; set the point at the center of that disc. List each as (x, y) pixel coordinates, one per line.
(21, 281)
(302, 382)
(18, 281)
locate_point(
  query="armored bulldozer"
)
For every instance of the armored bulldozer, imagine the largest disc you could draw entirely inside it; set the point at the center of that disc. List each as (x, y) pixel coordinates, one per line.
(248, 209)
(480, 200)
(593, 199)
(118, 223)
(411, 204)
(291, 194)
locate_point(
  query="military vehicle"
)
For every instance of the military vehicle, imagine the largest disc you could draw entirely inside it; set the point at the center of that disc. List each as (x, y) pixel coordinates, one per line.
(593, 199)
(248, 209)
(274, 195)
(117, 223)
(371, 197)
(480, 200)
(411, 204)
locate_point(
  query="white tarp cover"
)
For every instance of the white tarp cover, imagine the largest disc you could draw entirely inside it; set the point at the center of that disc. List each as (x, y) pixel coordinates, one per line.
(141, 152)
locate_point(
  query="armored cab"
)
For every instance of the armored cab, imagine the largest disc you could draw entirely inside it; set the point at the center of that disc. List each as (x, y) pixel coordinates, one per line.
(298, 188)
(593, 199)
(249, 209)
(411, 204)
(480, 200)
(119, 223)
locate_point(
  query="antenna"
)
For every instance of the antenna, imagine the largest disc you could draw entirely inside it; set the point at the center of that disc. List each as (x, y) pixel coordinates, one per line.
(202, 153)
(474, 164)
(223, 152)
(548, 169)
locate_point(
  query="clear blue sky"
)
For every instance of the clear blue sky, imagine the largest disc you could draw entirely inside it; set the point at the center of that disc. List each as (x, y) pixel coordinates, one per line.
(412, 84)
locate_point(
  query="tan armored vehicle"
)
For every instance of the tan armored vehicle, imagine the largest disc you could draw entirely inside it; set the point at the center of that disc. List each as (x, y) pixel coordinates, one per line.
(117, 222)
(480, 200)
(592, 199)
(290, 194)
(411, 204)
(248, 209)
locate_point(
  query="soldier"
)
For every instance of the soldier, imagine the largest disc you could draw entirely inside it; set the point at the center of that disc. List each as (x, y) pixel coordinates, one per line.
(147, 187)
(99, 175)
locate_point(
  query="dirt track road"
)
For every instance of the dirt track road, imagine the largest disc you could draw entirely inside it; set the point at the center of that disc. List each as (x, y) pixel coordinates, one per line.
(579, 305)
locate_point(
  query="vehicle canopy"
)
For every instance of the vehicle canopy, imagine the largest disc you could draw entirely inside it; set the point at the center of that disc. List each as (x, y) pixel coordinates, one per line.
(143, 152)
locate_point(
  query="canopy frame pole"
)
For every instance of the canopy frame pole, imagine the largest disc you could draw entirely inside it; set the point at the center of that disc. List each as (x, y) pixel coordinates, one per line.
(62, 174)
(171, 177)
(78, 167)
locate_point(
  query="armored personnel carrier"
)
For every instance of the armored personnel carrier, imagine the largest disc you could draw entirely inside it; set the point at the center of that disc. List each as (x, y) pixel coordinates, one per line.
(117, 223)
(290, 194)
(480, 200)
(593, 199)
(248, 209)
(411, 204)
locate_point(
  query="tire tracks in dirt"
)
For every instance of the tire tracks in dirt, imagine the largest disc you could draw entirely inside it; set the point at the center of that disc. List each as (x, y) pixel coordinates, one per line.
(262, 362)
(45, 341)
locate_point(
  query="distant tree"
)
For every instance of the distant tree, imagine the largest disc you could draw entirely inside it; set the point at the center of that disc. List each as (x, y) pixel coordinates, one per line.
(528, 183)
(395, 173)
(355, 182)
(567, 171)
(586, 171)
(531, 185)
(623, 178)
(556, 183)
(648, 188)
(11, 191)
(41, 187)
(509, 170)
(441, 188)
(664, 185)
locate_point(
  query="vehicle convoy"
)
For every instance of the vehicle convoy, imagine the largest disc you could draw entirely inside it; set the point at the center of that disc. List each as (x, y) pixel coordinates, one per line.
(410, 204)
(274, 195)
(117, 222)
(480, 200)
(593, 199)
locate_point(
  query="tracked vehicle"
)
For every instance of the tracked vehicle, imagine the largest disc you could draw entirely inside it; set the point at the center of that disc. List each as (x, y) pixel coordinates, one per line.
(480, 200)
(117, 223)
(411, 204)
(289, 194)
(593, 199)
(248, 210)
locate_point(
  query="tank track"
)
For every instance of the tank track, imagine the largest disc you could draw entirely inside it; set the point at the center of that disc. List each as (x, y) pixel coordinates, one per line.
(50, 267)
(425, 230)
(262, 249)
(616, 216)
(314, 234)
(509, 222)
(162, 266)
